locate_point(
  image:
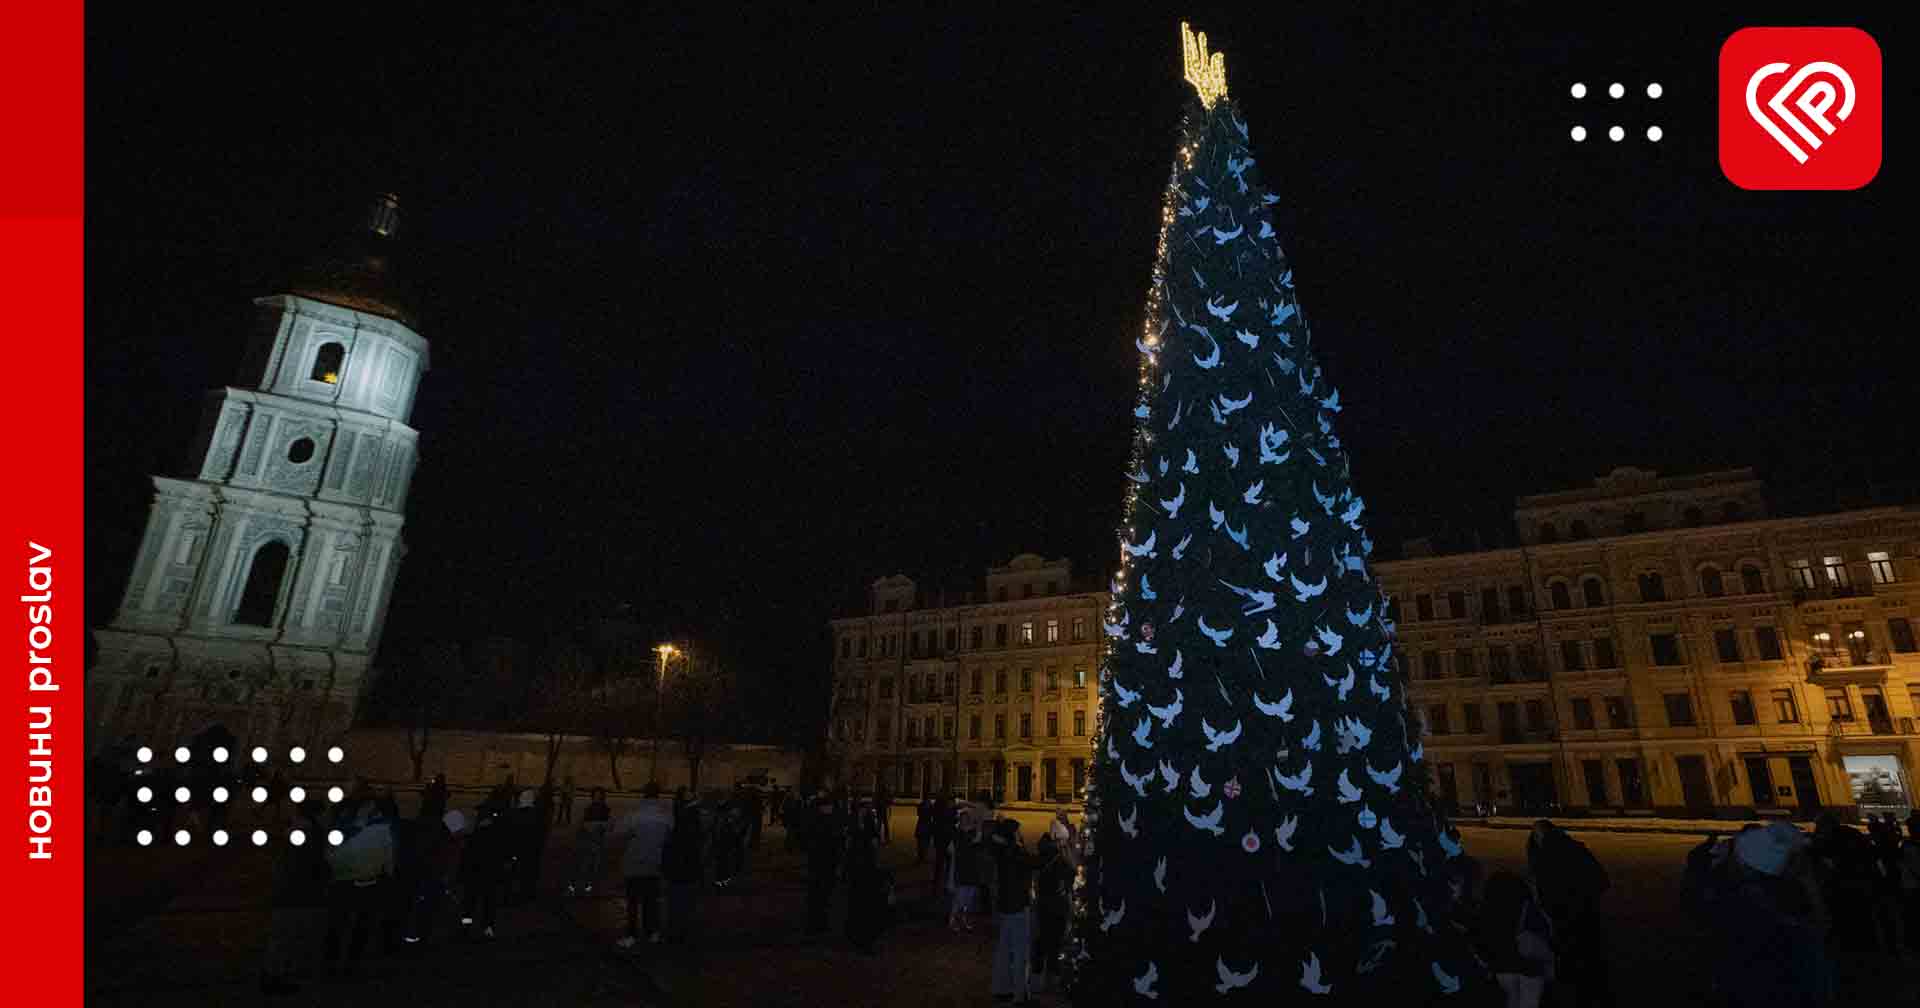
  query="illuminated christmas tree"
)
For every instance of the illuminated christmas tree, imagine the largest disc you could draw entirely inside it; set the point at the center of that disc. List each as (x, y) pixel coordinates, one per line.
(1259, 817)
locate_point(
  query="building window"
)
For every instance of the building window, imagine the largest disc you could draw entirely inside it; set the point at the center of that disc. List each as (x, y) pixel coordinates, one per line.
(1603, 653)
(1726, 645)
(1617, 713)
(260, 597)
(1026, 726)
(1000, 726)
(846, 647)
(1026, 631)
(1730, 511)
(882, 730)
(1802, 573)
(1423, 606)
(1710, 585)
(1679, 709)
(1430, 664)
(1582, 713)
(1470, 717)
(1464, 666)
(1053, 724)
(1766, 642)
(953, 686)
(953, 639)
(1594, 591)
(976, 638)
(1500, 663)
(1633, 521)
(1839, 705)
(1489, 605)
(1053, 631)
(1079, 628)
(973, 679)
(1529, 660)
(1742, 707)
(946, 728)
(1900, 634)
(1784, 709)
(1001, 594)
(863, 647)
(1053, 680)
(1562, 599)
(1080, 723)
(1653, 587)
(1026, 680)
(1516, 601)
(1536, 715)
(1457, 605)
(1026, 590)
(1549, 532)
(1079, 677)
(1836, 570)
(973, 728)
(1751, 580)
(1000, 635)
(1000, 682)
(1571, 658)
(1882, 567)
(301, 450)
(1577, 530)
(890, 605)
(1665, 648)
(326, 363)
(886, 688)
(1437, 719)
(913, 731)
(1693, 516)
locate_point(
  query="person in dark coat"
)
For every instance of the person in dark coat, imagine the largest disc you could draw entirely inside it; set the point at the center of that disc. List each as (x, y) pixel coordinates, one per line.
(300, 881)
(1570, 881)
(681, 864)
(1012, 909)
(756, 807)
(826, 844)
(440, 842)
(1052, 905)
(922, 830)
(1762, 911)
(483, 867)
(940, 835)
(433, 801)
(865, 893)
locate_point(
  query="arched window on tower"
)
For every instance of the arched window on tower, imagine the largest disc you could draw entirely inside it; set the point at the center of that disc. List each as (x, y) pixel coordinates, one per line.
(1710, 583)
(260, 599)
(1751, 580)
(326, 363)
(1561, 598)
(1594, 591)
(1549, 532)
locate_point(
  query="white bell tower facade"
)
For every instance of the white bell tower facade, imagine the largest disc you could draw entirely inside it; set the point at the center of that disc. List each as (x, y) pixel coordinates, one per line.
(260, 590)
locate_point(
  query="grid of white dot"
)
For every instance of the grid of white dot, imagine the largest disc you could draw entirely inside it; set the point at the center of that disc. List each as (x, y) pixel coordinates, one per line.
(1616, 90)
(336, 838)
(259, 838)
(297, 795)
(145, 794)
(296, 838)
(182, 837)
(297, 754)
(334, 794)
(219, 838)
(144, 837)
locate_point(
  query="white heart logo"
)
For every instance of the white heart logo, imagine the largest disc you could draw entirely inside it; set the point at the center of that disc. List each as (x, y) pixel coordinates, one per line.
(1813, 102)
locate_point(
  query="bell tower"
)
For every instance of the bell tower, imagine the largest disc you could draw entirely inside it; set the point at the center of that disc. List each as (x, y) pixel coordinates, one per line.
(261, 586)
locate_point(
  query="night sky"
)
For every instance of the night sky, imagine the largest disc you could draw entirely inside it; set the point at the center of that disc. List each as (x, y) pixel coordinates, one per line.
(730, 318)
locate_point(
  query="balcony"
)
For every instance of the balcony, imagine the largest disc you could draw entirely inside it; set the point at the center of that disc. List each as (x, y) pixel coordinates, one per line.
(1871, 726)
(1866, 665)
(1803, 595)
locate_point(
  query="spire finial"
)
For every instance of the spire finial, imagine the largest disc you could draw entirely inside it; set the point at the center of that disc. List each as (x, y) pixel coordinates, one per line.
(1207, 72)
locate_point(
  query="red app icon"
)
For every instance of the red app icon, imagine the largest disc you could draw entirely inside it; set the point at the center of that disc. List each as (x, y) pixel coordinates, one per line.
(1800, 108)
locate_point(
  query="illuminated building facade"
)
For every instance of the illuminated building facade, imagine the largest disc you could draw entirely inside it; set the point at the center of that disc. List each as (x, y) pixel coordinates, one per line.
(996, 694)
(1662, 645)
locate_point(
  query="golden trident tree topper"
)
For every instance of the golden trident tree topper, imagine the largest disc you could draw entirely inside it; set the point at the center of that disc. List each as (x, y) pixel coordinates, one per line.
(1206, 72)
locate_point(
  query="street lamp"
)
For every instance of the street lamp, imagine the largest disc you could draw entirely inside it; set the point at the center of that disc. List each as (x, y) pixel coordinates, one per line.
(666, 652)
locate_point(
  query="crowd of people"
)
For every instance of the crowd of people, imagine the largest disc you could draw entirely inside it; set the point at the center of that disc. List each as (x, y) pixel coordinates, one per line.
(393, 882)
(1786, 911)
(1789, 912)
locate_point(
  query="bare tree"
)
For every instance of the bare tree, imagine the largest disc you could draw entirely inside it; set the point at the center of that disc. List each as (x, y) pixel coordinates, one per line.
(700, 710)
(623, 703)
(566, 699)
(425, 694)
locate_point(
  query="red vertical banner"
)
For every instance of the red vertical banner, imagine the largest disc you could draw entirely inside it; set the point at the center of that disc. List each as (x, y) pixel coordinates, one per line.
(41, 204)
